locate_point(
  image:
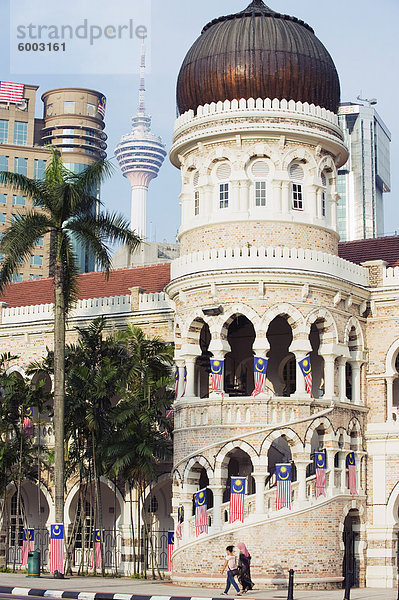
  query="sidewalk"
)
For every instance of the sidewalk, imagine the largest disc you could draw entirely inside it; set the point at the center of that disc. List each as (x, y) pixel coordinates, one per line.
(124, 588)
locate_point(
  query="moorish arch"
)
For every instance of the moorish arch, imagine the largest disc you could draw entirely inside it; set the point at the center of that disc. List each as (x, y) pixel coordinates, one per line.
(326, 324)
(299, 154)
(357, 342)
(222, 458)
(326, 163)
(294, 317)
(191, 473)
(238, 308)
(292, 438)
(390, 360)
(321, 423)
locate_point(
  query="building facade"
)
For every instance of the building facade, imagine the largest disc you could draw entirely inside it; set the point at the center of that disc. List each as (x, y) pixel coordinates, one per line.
(366, 176)
(261, 274)
(73, 125)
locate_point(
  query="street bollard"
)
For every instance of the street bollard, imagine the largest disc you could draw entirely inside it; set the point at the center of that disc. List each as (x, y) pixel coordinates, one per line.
(33, 563)
(291, 585)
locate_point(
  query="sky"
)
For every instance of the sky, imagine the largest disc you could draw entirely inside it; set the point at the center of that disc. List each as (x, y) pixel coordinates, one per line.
(361, 36)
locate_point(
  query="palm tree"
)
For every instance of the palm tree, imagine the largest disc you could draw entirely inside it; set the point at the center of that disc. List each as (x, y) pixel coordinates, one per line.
(65, 208)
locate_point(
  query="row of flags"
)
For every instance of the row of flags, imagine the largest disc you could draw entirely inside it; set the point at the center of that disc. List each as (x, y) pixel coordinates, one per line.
(260, 368)
(57, 547)
(283, 492)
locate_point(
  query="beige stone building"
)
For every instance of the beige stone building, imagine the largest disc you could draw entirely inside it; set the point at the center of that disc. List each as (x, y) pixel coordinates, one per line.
(261, 274)
(72, 124)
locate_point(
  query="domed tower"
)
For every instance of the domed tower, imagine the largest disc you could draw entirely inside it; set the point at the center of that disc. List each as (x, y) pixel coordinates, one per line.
(259, 282)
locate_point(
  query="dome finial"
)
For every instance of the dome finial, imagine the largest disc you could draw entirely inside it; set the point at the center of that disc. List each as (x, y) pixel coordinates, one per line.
(256, 4)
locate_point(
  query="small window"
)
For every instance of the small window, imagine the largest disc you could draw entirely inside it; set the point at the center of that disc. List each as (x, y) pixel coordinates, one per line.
(88, 151)
(91, 110)
(16, 277)
(39, 168)
(89, 132)
(49, 110)
(14, 218)
(20, 133)
(69, 107)
(3, 163)
(296, 172)
(21, 166)
(1, 257)
(3, 217)
(323, 180)
(196, 179)
(36, 260)
(260, 169)
(3, 131)
(297, 199)
(18, 200)
(39, 242)
(260, 193)
(196, 203)
(223, 195)
(3, 199)
(68, 131)
(32, 276)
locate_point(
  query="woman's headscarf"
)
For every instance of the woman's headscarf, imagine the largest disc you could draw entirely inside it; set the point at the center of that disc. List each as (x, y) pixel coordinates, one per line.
(243, 549)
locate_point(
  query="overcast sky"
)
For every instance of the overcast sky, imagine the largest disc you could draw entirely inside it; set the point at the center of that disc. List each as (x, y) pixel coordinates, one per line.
(361, 36)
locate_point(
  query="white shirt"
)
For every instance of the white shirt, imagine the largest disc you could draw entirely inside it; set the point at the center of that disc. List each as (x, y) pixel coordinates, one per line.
(231, 562)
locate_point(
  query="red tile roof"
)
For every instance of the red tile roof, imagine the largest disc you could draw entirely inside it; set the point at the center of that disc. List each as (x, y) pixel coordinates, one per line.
(382, 248)
(152, 278)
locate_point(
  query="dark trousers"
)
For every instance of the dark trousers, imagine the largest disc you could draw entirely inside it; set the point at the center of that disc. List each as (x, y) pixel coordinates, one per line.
(231, 581)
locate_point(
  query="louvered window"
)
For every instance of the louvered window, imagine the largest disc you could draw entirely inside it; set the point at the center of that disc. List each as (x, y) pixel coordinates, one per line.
(297, 175)
(223, 171)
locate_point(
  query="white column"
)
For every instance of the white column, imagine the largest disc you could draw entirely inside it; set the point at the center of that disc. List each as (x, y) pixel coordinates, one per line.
(318, 203)
(276, 196)
(342, 379)
(301, 477)
(138, 215)
(356, 397)
(208, 208)
(190, 365)
(334, 202)
(260, 479)
(389, 382)
(188, 509)
(285, 198)
(342, 464)
(312, 199)
(330, 464)
(235, 195)
(244, 195)
(217, 491)
(329, 364)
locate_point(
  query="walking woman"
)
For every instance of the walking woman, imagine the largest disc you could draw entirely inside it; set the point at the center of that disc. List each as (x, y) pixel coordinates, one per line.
(244, 568)
(232, 571)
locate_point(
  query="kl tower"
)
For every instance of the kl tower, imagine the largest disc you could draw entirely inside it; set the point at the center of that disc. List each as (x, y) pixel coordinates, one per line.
(140, 154)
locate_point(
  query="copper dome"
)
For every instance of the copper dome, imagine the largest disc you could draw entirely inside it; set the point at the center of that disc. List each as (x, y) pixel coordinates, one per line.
(257, 53)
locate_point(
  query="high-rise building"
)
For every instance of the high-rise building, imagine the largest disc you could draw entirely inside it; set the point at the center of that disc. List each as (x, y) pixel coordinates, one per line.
(365, 177)
(140, 154)
(20, 151)
(73, 123)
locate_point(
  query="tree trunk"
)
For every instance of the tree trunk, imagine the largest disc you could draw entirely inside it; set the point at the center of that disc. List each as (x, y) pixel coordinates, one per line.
(59, 389)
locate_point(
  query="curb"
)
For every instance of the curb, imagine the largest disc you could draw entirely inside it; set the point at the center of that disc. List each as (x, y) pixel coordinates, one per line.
(19, 591)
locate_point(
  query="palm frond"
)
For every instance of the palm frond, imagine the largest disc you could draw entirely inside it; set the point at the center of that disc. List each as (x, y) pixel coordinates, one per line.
(31, 188)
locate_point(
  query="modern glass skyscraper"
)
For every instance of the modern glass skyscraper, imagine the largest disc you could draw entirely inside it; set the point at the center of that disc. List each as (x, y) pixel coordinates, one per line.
(365, 177)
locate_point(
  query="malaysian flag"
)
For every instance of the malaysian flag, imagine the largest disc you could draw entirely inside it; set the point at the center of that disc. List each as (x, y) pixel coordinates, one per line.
(171, 542)
(320, 463)
(306, 369)
(176, 382)
(101, 106)
(260, 366)
(11, 92)
(96, 562)
(217, 375)
(351, 464)
(283, 476)
(170, 413)
(28, 423)
(237, 493)
(28, 543)
(179, 522)
(57, 548)
(184, 382)
(201, 518)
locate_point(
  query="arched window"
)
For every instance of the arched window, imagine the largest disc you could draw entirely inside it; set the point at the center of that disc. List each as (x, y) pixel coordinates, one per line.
(223, 172)
(196, 194)
(259, 173)
(297, 177)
